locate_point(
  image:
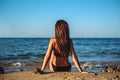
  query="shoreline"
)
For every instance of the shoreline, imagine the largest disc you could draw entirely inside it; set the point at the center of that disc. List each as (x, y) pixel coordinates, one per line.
(109, 71)
(95, 67)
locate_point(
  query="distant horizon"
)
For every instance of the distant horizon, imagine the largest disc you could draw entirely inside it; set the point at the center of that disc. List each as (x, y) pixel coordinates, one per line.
(70, 37)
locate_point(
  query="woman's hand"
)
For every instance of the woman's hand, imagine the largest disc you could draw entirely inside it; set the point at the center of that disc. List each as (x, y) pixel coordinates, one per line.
(84, 72)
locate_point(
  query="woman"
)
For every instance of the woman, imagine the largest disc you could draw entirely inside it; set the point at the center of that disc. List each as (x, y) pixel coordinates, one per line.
(59, 49)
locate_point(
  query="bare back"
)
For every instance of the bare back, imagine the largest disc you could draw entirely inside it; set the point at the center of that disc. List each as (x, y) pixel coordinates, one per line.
(56, 59)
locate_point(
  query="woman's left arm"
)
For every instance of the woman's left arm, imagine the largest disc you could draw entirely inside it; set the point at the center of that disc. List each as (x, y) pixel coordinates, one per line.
(47, 56)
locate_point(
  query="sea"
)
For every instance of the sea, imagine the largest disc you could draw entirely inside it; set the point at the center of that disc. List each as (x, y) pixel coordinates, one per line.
(95, 53)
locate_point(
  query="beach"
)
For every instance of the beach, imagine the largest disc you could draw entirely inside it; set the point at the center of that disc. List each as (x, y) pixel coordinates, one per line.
(30, 75)
(110, 72)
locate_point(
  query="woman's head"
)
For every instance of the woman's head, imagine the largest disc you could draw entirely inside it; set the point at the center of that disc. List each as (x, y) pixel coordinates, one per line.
(62, 29)
(62, 35)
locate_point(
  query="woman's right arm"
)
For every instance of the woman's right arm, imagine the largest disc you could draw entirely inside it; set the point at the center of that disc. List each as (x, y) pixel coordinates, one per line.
(47, 56)
(74, 57)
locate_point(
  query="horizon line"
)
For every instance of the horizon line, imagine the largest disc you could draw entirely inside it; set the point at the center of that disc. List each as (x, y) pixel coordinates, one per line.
(51, 37)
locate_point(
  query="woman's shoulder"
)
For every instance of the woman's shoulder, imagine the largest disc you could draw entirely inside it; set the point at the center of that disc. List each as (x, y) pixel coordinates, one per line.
(52, 39)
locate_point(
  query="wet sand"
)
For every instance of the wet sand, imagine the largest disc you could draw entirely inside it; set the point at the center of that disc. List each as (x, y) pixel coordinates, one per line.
(60, 76)
(112, 72)
(28, 66)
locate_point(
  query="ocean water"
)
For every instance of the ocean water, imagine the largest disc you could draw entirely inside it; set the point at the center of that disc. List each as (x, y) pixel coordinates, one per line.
(99, 50)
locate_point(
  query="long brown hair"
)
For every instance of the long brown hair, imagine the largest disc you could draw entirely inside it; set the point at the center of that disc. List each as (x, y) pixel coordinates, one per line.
(62, 36)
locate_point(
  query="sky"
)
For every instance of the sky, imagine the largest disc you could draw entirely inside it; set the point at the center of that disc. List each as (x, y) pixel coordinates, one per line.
(36, 18)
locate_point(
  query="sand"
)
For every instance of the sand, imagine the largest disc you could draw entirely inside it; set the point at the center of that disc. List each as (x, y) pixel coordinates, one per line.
(111, 73)
(60, 76)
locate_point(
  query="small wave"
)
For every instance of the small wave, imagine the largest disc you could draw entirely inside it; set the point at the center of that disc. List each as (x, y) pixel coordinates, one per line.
(18, 64)
(8, 58)
(108, 52)
(28, 54)
(40, 55)
(13, 57)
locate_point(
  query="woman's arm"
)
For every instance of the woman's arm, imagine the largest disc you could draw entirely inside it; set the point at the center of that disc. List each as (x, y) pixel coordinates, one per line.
(74, 57)
(47, 56)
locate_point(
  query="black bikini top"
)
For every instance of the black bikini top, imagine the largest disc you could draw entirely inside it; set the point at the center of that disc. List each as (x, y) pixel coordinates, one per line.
(57, 54)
